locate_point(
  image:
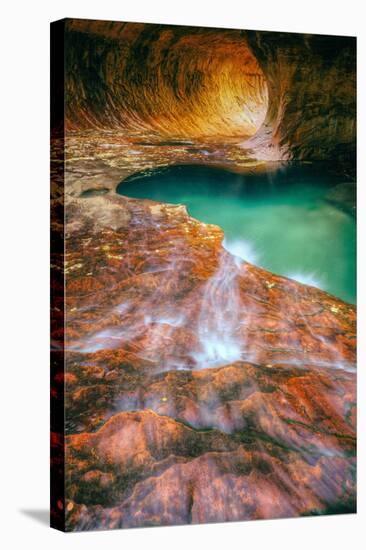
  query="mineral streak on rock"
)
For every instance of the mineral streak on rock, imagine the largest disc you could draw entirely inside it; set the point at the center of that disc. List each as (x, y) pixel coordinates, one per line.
(198, 387)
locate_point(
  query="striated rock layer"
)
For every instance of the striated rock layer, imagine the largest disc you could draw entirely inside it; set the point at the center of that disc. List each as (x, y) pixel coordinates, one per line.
(198, 387)
(295, 92)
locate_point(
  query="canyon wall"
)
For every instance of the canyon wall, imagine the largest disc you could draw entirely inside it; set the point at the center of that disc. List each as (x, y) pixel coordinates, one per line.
(294, 92)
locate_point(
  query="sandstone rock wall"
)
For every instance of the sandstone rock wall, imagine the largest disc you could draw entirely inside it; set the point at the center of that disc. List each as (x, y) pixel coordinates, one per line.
(188, 82)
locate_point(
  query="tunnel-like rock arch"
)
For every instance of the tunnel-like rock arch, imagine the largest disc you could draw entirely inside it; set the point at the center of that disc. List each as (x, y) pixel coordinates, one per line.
(175, 81)
(287, 96)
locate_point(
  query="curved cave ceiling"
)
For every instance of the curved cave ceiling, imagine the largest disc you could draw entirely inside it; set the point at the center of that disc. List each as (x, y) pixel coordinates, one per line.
(195, 84)
(285, 95)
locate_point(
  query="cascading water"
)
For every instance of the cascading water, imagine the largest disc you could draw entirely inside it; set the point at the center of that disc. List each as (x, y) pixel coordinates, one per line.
(206, 325)
(284, 221)
(155, 323)
(220, 316)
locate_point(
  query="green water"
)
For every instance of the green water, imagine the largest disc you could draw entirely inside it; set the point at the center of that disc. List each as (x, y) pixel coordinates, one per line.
(280, 220)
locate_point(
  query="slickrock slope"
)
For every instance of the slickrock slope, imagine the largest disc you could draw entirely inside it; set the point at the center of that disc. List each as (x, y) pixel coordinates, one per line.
(199, 388)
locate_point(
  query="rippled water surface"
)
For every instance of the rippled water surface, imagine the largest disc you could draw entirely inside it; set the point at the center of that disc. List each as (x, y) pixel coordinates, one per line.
(283, 220)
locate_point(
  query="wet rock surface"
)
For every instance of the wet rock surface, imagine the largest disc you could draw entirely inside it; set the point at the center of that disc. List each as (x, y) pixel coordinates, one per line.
(198, 387)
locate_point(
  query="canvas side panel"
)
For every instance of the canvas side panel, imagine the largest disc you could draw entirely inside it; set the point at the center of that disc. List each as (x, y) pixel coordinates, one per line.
(57, 517)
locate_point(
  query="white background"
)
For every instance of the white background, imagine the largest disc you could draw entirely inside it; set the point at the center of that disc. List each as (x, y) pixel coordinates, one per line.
(24, 217)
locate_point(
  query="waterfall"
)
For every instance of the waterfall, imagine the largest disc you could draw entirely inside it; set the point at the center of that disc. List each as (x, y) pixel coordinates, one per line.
(219, 317)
